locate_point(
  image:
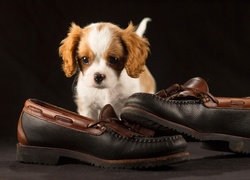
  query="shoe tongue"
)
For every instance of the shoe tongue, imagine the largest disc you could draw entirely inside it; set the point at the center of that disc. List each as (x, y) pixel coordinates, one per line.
(107, 112)
(197, 83)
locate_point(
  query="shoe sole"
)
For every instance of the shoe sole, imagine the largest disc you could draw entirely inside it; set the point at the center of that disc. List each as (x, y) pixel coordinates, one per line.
(51, 156)
(211, 140)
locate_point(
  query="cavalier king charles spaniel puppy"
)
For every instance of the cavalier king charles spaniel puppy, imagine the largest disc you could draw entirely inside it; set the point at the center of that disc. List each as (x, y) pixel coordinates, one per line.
(110, 63)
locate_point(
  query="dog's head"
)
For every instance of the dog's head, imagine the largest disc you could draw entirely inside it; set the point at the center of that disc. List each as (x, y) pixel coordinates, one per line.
(101, 51)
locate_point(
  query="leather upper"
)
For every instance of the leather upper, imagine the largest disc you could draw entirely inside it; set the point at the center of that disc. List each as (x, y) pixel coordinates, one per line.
(42, 124)
(192, 105)
(198, 88)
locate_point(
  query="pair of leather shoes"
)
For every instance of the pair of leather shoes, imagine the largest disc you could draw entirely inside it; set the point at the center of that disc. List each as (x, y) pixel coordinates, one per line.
(47, 134)
(223, 123)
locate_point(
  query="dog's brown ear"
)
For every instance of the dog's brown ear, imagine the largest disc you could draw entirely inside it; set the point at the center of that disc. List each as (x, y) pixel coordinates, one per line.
(68, 49)
(137, 49)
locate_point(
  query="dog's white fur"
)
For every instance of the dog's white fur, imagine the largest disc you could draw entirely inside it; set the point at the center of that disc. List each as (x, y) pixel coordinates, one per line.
(111, 63)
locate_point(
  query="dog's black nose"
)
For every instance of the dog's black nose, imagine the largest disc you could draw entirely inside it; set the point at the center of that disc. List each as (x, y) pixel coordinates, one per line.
(99, 77)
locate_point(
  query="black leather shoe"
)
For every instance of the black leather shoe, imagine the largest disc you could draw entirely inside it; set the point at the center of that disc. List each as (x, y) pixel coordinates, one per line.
(223, 122)
(47, 133)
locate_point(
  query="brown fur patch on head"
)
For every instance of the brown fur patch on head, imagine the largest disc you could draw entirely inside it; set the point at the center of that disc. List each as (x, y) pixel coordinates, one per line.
(68, 48)
(116, 50)
(84, 51)
(137, 51)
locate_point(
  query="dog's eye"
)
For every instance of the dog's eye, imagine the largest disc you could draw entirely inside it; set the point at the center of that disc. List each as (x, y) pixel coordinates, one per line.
(113, 60)
(85, 60)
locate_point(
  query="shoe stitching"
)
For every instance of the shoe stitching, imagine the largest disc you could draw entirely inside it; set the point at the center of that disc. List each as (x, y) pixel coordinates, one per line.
(143, 139)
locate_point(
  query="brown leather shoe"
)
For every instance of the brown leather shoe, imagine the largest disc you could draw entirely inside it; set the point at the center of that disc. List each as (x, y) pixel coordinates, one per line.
(222, 122)
(47, 133)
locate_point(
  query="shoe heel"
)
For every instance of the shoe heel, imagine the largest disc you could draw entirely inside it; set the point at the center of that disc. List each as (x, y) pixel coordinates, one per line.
(36, 155)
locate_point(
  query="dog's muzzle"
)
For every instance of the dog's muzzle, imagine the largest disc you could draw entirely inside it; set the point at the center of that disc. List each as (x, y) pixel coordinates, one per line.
(99, 77)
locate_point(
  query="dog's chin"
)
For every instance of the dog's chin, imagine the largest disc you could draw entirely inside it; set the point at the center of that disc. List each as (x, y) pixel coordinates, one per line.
(106, 84)
(100, 86)
(103, 85)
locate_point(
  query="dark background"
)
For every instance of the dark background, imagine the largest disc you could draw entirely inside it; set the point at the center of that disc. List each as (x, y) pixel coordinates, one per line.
(210, 39)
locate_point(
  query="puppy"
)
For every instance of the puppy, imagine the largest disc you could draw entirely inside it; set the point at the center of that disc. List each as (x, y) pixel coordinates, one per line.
(110, 63)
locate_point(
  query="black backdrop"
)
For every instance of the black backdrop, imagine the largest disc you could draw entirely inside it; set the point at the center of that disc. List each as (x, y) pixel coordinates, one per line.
(210, 39)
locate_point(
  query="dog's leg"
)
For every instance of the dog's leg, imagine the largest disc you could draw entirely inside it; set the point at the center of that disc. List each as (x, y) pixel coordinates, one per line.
(89, 112)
